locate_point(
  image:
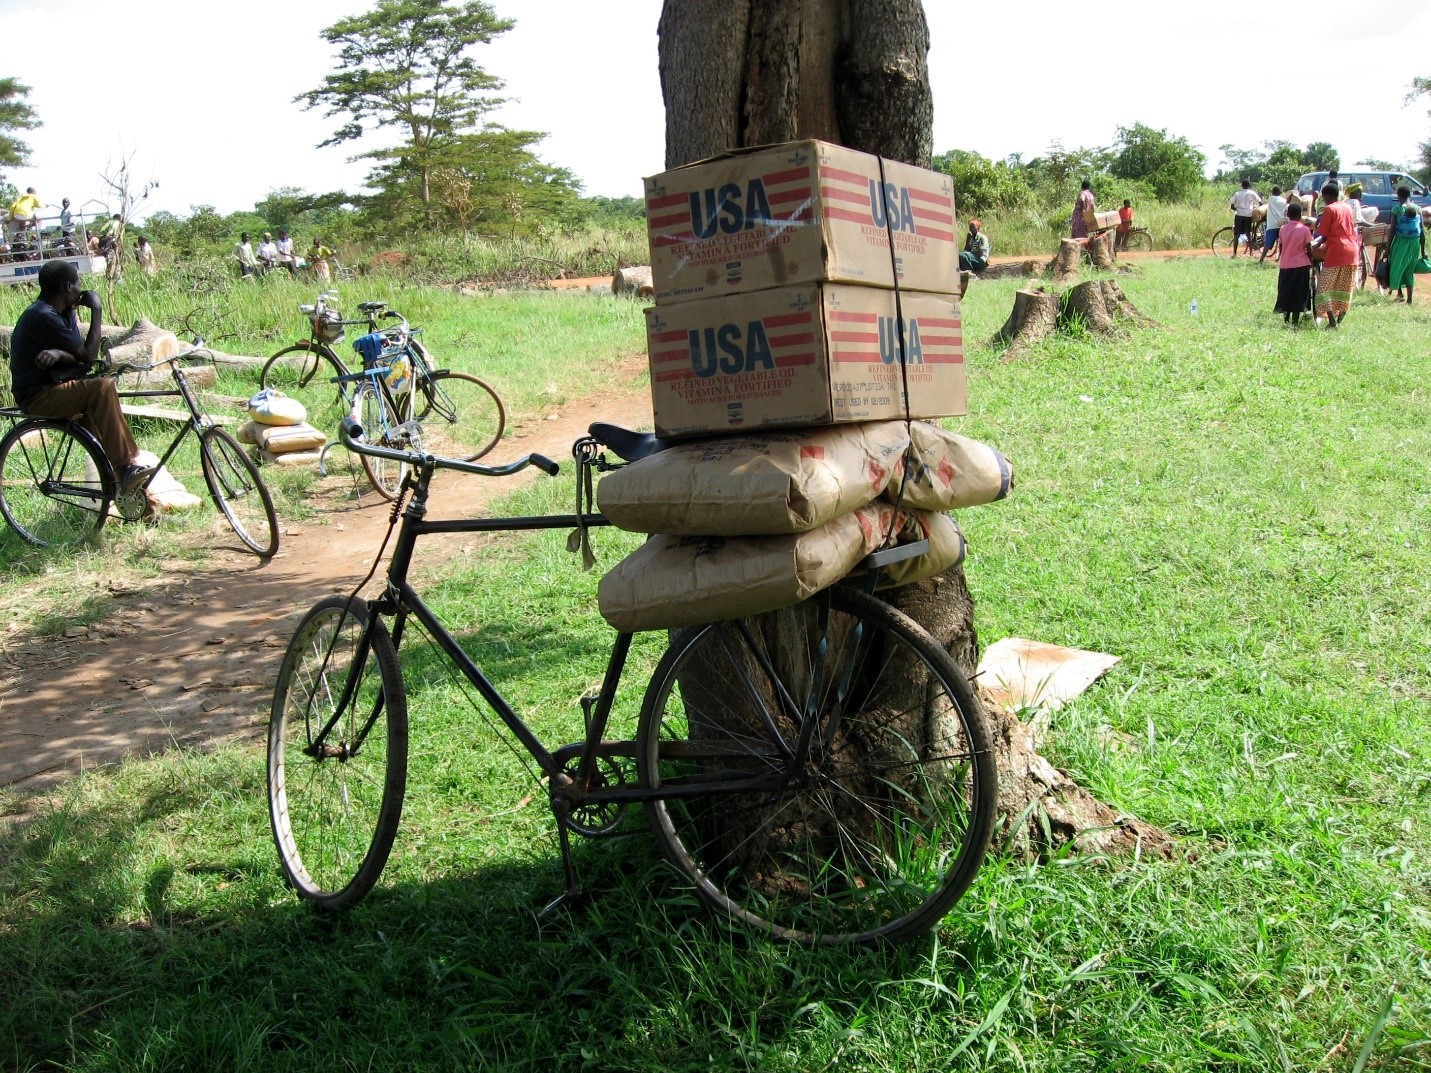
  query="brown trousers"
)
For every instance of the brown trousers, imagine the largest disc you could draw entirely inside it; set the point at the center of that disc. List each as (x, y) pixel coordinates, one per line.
(96, 404)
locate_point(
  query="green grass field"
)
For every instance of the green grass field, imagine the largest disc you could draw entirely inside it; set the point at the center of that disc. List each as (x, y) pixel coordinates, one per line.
(1240, 511)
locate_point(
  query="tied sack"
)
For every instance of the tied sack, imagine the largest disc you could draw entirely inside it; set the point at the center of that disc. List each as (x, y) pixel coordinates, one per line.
(947, 547)
(273, 407)
(754, 485)
(945, 471)
(287, 439)
(673, 581)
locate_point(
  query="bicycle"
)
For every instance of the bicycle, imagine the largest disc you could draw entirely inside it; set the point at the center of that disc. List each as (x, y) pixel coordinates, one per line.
(1138, 240)
(382, 404)
(471, 414)
(821, 773)
(1223, 238)
(57, 486)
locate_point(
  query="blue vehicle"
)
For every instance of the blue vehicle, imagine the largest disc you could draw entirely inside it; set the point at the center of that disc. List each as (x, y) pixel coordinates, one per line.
(1378, 188)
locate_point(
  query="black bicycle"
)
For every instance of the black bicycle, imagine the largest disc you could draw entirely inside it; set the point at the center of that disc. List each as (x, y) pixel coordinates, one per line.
(821, 773)
(57, 486)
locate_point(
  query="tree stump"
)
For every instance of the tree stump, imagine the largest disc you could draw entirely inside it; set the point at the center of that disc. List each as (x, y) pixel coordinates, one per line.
(634, 282)
(1085, 305)
(1066, 262)
(1122, 307)
(1100, 251)
(1034, 317)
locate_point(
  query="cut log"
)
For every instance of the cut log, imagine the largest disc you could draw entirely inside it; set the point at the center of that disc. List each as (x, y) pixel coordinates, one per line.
(1066, 261)
(1085, 305)
(1034, 316)
(1013, 270)
(634, 282)
(144, 344)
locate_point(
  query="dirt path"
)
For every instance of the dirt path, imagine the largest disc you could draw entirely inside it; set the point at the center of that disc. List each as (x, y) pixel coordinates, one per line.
(191, 658)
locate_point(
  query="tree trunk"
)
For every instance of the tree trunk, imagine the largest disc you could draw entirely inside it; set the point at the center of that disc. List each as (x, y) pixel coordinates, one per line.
(738, 73)
(1100, 251)
(1085, 304)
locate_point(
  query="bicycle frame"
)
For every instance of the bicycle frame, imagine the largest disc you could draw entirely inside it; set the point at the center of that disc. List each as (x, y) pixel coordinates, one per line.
(402, 602)
(198, 420)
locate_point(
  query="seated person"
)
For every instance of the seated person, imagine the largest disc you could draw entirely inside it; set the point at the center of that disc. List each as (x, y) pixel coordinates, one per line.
(49, 358)
(975, 257)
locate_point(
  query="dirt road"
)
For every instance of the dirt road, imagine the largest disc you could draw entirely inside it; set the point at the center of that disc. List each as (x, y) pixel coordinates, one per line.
(191, 658)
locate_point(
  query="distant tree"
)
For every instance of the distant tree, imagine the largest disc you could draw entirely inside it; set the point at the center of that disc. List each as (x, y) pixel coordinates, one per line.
(15, 114)
(981, 184)
(1421, 86)
(1320, 156)
(405, 65)
(1380, 165)
(1171, 166)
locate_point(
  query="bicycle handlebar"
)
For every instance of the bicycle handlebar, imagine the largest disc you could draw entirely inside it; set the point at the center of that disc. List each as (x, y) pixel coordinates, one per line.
(350, 431)
(136, 367)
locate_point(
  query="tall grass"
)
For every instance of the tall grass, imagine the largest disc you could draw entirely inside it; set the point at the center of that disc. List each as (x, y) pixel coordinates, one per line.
(1034, 231)
(1237, 510)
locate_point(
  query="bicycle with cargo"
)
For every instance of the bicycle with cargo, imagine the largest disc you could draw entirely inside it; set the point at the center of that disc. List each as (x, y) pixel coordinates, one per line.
(818, 772)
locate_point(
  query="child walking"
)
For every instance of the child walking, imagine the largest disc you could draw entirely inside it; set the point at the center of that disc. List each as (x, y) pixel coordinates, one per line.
(1294, 267)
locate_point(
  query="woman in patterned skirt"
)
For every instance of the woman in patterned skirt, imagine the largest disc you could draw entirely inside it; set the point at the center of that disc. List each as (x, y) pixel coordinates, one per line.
(1336, 235)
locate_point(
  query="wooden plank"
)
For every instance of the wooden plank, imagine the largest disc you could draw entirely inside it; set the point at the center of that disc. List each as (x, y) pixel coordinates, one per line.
(161, 413)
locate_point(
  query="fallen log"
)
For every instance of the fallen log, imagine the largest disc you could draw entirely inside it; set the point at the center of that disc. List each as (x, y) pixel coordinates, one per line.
(634, 282)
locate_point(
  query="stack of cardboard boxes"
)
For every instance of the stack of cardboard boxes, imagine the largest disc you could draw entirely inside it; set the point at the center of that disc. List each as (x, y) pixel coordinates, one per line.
(798, 286)
(776, 301)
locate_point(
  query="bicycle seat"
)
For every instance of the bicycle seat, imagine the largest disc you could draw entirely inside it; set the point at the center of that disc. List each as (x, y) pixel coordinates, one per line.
(627, 445)
(371, 307)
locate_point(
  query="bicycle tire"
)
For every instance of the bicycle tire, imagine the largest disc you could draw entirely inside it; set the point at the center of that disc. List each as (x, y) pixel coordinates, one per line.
(238, 491)
(1222, 241)
(334, 816)
(1139, 242)
(462, 416)
(305, 371)
(55, 483)
(781, 857)
(374, 409)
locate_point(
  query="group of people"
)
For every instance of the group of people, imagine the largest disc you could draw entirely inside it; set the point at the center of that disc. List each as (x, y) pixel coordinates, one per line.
(281, 253)
(23, 239)
(1336, 247)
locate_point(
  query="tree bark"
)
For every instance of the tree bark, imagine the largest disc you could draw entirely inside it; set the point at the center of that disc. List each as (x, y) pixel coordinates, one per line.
(1034, 317)
(738, 73)
(1100, 251)
(1085, 304)
(1067, 261)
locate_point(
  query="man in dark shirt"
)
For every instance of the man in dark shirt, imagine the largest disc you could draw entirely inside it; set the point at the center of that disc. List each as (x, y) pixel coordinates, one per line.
(49, 358)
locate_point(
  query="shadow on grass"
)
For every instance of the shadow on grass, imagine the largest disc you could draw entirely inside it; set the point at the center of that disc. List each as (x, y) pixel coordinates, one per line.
(115, 957)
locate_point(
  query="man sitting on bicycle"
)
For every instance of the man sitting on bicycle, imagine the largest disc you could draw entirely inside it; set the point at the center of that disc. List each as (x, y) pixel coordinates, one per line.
(48, 361)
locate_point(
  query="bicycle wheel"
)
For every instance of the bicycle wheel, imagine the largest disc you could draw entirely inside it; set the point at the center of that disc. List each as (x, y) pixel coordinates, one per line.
(334, 801)
(462, 416)
(1222, 242)
(383, 426)
(305, 371)
(1139, 242)
(54, 482)
(869, 785)
(239, 491)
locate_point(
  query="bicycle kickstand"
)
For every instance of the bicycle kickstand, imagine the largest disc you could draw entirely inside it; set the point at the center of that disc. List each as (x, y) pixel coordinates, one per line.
(573, 895)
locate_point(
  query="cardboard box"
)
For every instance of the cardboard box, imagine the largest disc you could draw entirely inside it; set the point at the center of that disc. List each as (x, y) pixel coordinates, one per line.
(802, 212)
(1100, 221)
(817, 354)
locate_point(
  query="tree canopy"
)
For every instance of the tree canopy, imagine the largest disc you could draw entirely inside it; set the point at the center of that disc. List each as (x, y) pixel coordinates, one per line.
(15, 114)
(406, 65)
(1170, 166)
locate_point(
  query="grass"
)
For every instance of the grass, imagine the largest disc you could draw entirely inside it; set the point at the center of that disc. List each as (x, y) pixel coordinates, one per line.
(1239, 511)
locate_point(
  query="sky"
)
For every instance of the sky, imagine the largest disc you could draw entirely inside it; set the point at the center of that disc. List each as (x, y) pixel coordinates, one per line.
(198, 97)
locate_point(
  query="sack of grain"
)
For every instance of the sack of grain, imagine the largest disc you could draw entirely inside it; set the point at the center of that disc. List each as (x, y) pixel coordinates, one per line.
(947, 548)
(754, 485)
(273, 407)
(947, 471)
(285, 439)
(673, 581)
(292, 458)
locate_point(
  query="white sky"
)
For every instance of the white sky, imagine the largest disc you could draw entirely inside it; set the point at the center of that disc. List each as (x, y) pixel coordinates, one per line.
(198, 95)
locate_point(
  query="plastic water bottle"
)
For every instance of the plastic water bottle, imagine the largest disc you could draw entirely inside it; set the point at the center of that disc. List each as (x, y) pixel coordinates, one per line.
(1192, 307)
